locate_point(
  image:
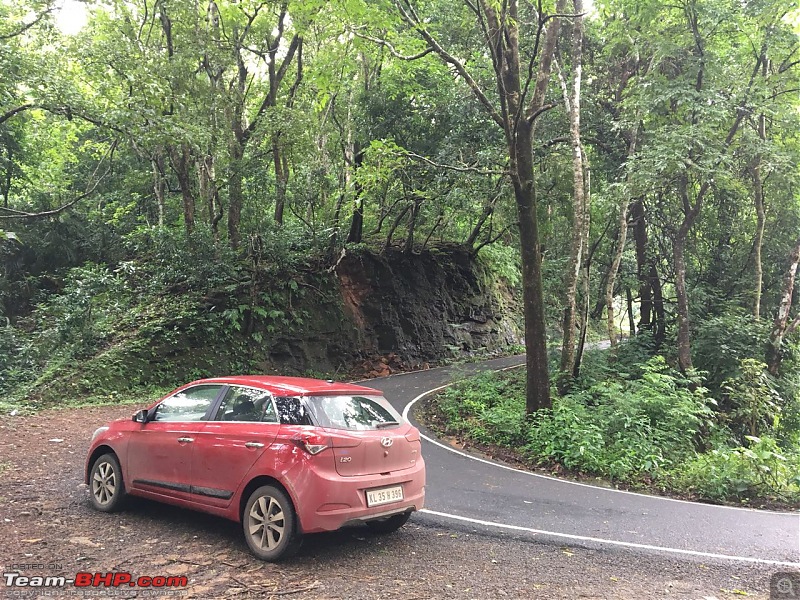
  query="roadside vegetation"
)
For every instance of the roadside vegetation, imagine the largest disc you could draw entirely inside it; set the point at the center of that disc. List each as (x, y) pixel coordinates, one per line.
(638, 423)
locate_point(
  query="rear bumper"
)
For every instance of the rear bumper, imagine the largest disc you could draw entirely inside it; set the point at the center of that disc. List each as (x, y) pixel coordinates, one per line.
(332, 501)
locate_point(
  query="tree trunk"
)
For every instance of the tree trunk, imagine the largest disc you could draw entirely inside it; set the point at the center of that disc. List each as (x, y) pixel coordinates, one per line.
(281, 178)
(659, 318)
(159, 185)
(394, 227)
(620, 249)
(774, 353)
(180, 164)
(538, 376)
(572, 103)
(488, 210)
(684, 339)
(501, 35)
(631, 322)
(235, 195)
(584, 330)
(758, 242)
(357, 222)
(588, 254)
(612, 271)
(408, 248)
(209, 194)
(691, 212)
(643, 271)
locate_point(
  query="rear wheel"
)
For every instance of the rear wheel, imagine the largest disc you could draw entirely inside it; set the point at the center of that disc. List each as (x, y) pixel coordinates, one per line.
(270, 524)
(389, 524)
(106, 485)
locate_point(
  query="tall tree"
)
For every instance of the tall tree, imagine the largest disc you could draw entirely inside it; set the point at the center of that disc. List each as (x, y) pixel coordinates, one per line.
(522, 73)
(580, 194)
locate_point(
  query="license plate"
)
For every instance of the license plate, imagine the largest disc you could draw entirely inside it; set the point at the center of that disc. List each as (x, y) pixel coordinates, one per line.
(384, 495)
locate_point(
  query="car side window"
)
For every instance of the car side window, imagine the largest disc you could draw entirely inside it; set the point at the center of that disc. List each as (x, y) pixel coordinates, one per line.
(190, 404)
(292, 411)
(246, 404)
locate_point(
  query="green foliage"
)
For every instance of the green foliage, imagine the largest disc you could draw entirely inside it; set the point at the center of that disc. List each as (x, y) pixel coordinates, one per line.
(658, 429)
(88, 308)
(487, 408)
(503, 261)
(722, 342)
(147, 322)
(622, 429)
(760, 470)
(754, 403)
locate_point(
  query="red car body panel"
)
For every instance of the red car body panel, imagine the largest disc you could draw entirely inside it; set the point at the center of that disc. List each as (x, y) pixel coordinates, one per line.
(213, 470)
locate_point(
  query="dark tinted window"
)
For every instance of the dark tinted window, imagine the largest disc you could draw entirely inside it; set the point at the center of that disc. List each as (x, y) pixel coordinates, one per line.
(292, 411)
(246, 404)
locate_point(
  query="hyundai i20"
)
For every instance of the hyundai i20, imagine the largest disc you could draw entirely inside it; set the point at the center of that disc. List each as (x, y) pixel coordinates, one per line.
(283, 456)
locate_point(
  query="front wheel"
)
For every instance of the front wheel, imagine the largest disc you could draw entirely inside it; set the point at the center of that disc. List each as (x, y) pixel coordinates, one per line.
(389, 524)
(270, 524)
(106, 485)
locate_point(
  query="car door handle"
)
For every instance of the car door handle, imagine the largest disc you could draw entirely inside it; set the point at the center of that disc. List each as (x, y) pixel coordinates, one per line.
(254, 445)
(187, 440)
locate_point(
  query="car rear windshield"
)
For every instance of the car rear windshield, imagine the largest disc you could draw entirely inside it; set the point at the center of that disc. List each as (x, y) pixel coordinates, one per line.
(353, 412)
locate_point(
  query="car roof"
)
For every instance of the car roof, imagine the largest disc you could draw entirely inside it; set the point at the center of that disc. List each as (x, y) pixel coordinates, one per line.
(295, 386)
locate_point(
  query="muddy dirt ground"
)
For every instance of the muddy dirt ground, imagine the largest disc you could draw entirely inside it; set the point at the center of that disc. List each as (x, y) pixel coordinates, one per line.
(48, 528)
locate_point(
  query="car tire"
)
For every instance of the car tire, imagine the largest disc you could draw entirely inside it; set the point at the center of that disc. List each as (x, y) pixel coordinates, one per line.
(269, 523)
(389, 524)
(106, 487)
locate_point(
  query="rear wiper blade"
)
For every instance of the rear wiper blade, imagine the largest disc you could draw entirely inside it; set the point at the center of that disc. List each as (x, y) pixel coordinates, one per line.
(383, 424)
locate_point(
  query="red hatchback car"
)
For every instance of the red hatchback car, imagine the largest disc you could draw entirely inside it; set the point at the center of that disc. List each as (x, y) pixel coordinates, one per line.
(283, 456)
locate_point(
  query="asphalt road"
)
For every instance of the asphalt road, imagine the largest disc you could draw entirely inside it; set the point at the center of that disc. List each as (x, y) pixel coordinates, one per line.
(466, 491)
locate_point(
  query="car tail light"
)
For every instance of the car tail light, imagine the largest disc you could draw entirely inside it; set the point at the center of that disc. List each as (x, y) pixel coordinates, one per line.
(313, 443)
(413, 435)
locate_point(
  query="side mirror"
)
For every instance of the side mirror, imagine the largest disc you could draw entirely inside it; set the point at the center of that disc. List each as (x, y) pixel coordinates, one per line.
(141, 416)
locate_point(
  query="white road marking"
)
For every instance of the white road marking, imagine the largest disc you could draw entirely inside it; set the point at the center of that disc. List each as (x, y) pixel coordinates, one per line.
(569, 536)
(567, 481)
(582, 538)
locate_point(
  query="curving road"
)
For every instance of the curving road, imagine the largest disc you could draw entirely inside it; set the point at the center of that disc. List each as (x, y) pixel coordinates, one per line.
(469, 491)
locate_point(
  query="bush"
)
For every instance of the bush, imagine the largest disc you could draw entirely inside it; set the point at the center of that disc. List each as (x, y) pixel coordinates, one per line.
(624, 429)
(752, 401)
(721, 343)
(759, 470)
(87, 310)
(487, 408)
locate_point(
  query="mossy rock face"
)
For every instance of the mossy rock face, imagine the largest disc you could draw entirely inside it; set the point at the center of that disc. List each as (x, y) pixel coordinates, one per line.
(426, 306)
(417, 308)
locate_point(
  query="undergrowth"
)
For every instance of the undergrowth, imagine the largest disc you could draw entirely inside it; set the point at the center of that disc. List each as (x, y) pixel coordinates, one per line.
(650, 427)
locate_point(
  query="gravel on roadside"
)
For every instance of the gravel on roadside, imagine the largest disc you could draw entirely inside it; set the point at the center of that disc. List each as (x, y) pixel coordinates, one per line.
(48, 527)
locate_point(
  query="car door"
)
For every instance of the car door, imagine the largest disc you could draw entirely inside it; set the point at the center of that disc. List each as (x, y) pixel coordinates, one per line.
(243, 428)
(160, 451)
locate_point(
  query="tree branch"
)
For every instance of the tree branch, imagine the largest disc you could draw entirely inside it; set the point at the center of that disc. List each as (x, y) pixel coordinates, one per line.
(386, 44)
(459, 169)
(536, 103)
(10, 113)
(17, 214)
(411, 17)
(27, 26)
